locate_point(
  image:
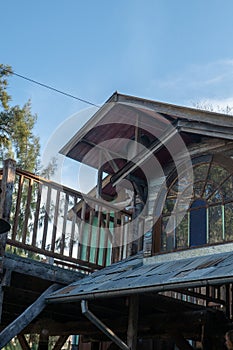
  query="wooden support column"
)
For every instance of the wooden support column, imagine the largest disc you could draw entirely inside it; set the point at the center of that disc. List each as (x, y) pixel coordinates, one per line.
(8, 179)
(132, 322)
(44, 340)
(7, 185)
(23, 342)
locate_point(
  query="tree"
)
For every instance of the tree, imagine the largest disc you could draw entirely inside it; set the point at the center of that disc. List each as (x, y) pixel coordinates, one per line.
(17, 139)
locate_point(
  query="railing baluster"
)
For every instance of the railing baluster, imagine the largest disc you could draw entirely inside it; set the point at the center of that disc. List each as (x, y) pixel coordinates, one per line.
(98, 233)
(81, 230)
(37, 213)
(27, 211)
(107, 237)
(46, 218)
(39, 232)
(55, 220)
(89, 237)
(72, 241)
(63, 237)
(17, 209)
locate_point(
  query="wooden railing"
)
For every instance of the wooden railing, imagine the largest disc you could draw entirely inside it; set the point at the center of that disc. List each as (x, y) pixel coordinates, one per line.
(59, 225)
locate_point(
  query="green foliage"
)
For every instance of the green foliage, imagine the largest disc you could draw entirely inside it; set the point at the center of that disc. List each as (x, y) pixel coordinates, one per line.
(17, 139)
(206, 106)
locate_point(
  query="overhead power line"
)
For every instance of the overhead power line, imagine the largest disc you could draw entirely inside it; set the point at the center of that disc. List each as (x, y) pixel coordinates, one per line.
(50, 87)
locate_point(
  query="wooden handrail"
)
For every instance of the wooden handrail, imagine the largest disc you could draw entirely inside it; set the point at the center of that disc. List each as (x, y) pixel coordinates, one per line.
(42, 224)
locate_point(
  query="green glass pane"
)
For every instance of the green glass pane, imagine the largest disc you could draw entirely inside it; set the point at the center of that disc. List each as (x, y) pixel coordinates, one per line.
(198, 188)
(228, 221)
(209, 189)
(227, 189)
(215, 224)
(200, 172)
(182, 230)
(169, 205)
(217, 174)
(215, 197)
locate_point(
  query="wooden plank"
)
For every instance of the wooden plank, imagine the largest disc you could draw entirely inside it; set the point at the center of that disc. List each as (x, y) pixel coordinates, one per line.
(7, 185)
(133, 322)
(41, 270)
(72, 234)
(90, 233)
(26, 317)
(81, 230)
(55, 220)
(60, 342)
(46, 219)
(17, 210)
(63, 237)
(80, 264)
(37, 214)
(107, 236)
(27, 212)
(98, 234)
(23, 342)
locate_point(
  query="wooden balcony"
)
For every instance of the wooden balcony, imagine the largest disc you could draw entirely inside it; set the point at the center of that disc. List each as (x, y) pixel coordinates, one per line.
(58, 235)
(59, 225)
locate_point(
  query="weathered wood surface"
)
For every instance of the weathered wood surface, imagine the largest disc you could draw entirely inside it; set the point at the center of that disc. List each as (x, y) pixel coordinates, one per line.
(60, 342)
(23, 342)
(7, 184)
(132, 322)
(26, 317)
(53, 273)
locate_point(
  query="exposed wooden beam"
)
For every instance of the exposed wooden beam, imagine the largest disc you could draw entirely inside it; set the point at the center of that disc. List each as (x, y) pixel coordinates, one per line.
(55, 274)
(218, 131)
(26, 317)
(23, 342)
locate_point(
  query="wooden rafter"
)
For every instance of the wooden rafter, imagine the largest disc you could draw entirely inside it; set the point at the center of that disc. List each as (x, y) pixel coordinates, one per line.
(26, 317)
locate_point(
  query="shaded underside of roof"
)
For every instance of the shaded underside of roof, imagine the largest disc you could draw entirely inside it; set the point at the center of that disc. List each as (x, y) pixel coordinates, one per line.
(122, 117)
(133, 276)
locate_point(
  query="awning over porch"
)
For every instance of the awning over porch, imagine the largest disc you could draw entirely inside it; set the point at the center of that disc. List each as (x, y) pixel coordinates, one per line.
(136, 275)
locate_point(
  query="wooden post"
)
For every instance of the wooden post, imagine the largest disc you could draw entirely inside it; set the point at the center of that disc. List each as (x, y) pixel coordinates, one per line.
(7, 184)
(23, 342)
(8, 179)
(132, 322)
(44, 340)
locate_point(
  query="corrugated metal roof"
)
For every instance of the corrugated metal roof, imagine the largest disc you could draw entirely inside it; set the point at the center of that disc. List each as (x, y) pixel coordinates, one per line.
(132, 276)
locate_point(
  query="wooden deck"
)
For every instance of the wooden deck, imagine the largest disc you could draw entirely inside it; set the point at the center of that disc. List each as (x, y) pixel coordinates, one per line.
(58, 235)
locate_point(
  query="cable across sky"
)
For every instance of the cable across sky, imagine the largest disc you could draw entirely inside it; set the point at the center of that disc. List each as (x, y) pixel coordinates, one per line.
(49, 87)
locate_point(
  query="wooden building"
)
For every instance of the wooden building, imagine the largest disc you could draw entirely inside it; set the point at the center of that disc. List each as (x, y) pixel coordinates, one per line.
(145, 260)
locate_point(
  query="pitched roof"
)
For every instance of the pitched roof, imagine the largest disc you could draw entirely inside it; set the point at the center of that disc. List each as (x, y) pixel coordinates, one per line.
(121, 115)
(137, 275)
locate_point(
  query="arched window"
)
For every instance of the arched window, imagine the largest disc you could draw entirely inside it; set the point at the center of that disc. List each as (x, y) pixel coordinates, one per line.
(209, 217)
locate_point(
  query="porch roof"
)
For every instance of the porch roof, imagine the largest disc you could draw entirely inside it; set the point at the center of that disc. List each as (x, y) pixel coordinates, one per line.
(121, 116)
(136, 275)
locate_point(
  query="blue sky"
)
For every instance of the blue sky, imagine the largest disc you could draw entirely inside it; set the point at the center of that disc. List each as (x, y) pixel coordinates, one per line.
(173, 51)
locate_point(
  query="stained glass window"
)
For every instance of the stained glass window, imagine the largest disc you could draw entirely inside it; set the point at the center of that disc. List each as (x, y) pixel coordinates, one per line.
(208, 216)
